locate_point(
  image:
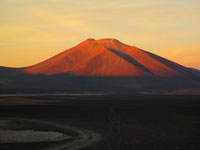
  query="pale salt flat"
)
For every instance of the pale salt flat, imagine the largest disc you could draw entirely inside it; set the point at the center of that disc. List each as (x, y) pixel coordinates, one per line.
(27, 136)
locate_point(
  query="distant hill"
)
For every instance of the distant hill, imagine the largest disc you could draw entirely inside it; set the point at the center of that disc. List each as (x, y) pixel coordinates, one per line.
(186, 92)
(195, 69)
(101, 65)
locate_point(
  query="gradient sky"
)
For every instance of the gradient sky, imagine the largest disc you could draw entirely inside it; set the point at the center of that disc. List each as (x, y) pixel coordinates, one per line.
(34, 30)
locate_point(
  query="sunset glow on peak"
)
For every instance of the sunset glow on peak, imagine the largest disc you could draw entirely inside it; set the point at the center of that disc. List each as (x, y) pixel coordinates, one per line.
(108, 58)
(32, 31)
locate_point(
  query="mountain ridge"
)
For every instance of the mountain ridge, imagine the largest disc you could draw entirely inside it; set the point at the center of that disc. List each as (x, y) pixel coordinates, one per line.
(104, 57)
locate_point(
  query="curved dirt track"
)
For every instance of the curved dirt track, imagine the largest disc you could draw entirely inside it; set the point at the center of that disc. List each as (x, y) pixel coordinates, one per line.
(82, 139)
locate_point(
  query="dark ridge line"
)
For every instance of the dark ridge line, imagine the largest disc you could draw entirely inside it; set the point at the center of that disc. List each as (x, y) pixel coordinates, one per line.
(130, 60)
(171, 64)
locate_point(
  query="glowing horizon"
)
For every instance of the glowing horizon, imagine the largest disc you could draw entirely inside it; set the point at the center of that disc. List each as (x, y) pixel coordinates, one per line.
(33, 30)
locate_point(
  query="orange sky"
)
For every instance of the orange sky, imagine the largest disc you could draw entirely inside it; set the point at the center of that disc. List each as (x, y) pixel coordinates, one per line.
(34, 30)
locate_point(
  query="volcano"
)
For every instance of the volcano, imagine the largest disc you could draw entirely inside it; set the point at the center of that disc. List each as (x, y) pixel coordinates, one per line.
(102, 65)
(108, 57)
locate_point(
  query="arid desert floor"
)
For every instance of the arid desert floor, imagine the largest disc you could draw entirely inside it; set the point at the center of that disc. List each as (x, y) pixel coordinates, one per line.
(140, 122)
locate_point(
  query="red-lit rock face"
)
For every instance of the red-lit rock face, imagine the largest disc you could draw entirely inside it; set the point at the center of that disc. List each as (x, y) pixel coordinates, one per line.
(107, 57)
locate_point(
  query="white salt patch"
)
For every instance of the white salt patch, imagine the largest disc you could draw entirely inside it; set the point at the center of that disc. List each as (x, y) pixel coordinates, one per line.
(27, 136)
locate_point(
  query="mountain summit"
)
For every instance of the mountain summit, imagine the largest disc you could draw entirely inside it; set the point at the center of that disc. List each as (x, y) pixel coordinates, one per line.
(108, 57)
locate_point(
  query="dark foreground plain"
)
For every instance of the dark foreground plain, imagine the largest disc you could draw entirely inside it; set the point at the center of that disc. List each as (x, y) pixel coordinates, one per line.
(126, 122)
